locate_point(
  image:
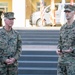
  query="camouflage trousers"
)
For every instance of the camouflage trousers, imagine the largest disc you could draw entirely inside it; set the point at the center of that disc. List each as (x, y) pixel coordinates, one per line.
(9, 70)
(66, 68)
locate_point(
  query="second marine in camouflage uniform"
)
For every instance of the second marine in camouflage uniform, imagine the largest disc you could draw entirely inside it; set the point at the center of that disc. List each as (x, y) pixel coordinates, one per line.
(66, 60)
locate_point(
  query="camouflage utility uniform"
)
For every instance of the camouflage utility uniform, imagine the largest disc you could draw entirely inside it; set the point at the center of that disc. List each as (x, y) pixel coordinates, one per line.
(10, 47)
(66, 61)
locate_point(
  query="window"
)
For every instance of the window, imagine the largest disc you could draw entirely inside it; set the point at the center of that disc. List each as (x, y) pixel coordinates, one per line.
(38, 6)
(4, 7)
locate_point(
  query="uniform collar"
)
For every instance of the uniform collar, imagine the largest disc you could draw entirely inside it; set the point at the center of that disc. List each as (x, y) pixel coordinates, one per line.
(70, 26)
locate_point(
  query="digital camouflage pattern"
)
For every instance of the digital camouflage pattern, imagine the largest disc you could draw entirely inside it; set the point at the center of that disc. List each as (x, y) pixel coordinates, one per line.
(69, 8)
(9, 15)
(10, 46)
(66, 61)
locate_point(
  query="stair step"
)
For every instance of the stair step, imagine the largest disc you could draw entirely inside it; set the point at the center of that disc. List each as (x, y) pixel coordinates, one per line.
(39, 57)
(40, 42)
(36, 74)
(40, 35)
(37, 70)
(52, 52)
(37, 64)
(38, 61)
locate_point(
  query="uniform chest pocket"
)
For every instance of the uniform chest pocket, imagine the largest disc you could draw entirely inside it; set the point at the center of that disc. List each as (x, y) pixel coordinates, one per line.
(12, 41)
(3, 44)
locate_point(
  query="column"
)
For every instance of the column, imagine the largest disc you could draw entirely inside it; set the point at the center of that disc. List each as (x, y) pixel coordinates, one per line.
(18, 7)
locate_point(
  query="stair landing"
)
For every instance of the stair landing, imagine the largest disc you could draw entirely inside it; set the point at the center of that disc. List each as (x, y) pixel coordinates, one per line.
(39, 47)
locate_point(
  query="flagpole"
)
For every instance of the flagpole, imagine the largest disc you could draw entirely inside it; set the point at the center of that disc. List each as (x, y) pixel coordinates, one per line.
(52, 15)
(42, 12)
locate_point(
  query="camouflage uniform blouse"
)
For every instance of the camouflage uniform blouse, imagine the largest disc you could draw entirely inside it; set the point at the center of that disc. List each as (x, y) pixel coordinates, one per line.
(10, 45)
(67, 40)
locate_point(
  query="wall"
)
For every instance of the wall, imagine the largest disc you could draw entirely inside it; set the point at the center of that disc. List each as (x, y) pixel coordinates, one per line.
(18, 7)
(28, 8)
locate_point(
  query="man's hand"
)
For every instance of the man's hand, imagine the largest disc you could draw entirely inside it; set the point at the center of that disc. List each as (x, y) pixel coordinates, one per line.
(58, 52)
(10, 61)
(7, 61)
(67, 51)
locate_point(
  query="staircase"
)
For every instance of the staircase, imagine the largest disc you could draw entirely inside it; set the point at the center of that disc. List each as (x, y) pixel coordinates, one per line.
(39, 37)
(38, 61)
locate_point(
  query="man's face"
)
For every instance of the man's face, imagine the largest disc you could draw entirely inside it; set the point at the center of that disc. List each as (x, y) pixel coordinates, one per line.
(9, 22)
(69, 14)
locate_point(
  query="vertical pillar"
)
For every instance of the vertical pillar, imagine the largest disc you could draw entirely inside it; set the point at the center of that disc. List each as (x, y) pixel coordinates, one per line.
(18, 7)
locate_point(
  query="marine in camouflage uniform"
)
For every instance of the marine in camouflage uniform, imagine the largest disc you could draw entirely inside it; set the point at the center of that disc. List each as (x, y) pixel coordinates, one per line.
(10, 47)
(66, 46)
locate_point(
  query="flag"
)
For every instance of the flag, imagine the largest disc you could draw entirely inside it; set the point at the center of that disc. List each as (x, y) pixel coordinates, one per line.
(42, 11)
(71, 2)
(52, 13)
(62, 18)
